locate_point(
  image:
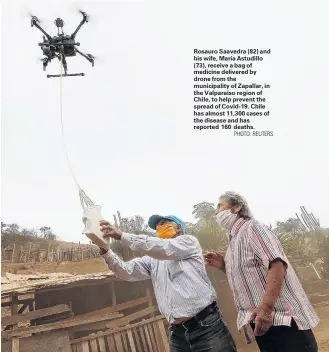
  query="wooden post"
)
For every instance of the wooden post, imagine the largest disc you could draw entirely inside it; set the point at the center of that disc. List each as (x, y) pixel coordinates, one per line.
(316, 272)
(15, 344)
(31, 309)
(47, 259)
(13, 253)
(29, 252)
(90, 250)
(13, 308)
(21, 254)
(149, 296)
(114, 298)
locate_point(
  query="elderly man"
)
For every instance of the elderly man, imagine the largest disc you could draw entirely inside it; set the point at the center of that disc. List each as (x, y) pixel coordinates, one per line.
(184, 293)
(272, 305)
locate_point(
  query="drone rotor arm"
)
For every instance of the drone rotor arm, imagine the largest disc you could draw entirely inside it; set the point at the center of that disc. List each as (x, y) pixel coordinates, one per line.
(84, 20)
(41, 29)
(89, 57)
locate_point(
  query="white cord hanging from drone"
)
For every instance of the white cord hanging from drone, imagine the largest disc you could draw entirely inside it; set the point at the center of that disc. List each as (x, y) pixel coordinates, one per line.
(84, 199)
(62, 46)
(91, 212)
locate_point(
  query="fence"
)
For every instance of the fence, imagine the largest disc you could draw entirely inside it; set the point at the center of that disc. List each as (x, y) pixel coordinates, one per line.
(148, 336)
(30, 254)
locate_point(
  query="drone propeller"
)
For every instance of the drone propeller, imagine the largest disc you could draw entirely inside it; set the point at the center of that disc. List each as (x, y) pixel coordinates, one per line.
(95, 57)
(83, 13)
(91, 19)
(39, 59)
(32, 16)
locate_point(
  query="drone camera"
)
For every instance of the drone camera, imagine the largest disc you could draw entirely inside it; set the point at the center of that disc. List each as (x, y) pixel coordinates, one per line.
(59, 23)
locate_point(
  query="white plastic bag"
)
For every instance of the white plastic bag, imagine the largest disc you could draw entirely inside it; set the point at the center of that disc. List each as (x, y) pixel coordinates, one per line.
(91, 218)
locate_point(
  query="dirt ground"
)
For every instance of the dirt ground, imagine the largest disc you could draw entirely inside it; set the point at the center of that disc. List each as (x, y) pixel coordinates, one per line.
(318, 291)
(322, 331)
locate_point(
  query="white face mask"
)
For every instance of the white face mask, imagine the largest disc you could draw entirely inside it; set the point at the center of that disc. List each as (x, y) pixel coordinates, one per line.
(226, 219)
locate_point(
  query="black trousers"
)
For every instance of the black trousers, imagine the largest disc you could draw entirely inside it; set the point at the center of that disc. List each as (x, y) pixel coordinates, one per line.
(287, 339)
(207, 335)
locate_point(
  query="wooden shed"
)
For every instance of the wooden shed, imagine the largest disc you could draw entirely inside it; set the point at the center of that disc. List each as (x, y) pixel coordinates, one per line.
(94, 312)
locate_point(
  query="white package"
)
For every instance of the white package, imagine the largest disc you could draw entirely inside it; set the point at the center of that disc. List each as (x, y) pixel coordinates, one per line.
(91, 218)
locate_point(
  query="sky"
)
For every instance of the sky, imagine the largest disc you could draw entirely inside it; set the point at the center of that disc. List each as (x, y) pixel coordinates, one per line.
(129, 122)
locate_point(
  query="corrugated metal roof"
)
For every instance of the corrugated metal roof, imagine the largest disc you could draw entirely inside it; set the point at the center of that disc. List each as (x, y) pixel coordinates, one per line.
(22, 284)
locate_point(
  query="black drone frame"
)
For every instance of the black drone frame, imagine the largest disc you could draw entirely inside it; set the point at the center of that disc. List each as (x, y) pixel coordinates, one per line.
(61, 46)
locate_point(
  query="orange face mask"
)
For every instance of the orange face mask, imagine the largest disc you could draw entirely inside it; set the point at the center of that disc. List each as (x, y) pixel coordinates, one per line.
(166, 231)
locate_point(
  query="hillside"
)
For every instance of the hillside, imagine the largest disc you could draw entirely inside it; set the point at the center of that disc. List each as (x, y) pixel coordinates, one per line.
(42, 243)
(42, 237)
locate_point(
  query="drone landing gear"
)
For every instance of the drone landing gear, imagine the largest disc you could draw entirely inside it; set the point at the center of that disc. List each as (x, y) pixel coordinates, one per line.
(66, 75)
(62, 59)
(45, 63)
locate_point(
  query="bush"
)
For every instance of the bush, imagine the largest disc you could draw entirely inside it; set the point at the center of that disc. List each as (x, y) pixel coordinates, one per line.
(324, 255)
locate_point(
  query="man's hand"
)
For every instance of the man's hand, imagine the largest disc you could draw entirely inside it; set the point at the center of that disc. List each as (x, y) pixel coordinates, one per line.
(109, 230)
(263, 319)
(215, 259)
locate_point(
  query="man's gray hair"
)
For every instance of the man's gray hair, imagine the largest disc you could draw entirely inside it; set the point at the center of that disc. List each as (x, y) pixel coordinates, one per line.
(235, 199)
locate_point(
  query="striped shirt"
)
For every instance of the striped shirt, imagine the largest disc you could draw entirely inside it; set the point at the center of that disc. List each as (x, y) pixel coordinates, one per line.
(252, 247)
(177, 270)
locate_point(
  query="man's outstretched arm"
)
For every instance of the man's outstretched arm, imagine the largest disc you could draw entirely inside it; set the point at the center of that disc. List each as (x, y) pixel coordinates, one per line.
(178, 248)
(136, 269)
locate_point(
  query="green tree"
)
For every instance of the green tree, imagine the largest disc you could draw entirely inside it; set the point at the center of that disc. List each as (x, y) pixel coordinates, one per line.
(299, 243)
(204, 212)
(323, 253)
(297, 248)
(291, 226)
(210, 235)
(29, 233)
(11, 229)
(9, 234)
(47, 233)
(135, 225)
(3, 226)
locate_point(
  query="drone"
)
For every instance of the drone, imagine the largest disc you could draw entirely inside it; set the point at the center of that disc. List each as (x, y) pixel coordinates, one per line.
(61, 46)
